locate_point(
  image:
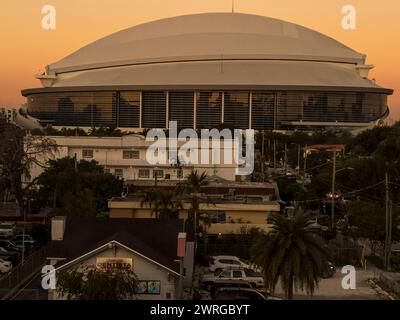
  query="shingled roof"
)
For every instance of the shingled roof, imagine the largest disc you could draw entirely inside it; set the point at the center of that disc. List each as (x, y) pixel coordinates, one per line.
(154, 239)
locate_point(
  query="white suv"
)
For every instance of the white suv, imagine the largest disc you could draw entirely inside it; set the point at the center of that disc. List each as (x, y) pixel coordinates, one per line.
(5, 266)
(224, 262)
(247, 275)
(7, 229)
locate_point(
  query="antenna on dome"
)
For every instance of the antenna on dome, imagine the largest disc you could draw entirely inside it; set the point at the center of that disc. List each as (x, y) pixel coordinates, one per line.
(233, 6)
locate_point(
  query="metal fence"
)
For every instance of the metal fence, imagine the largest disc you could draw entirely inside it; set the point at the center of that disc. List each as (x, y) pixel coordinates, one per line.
(22, 272)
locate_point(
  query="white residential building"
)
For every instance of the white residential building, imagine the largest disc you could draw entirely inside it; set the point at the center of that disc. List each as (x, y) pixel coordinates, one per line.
(125, 157)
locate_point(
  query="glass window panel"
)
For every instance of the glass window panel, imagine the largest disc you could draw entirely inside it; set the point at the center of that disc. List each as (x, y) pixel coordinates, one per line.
(236, 109)
(209, 109)
(129, 109)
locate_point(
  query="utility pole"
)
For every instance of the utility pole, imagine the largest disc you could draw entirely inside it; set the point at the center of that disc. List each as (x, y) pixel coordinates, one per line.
(262, 155)
(390, 237)
(333, 190)
(274, 153)
(305, 161)
(285, 158)
(387, 221)
(298, 160)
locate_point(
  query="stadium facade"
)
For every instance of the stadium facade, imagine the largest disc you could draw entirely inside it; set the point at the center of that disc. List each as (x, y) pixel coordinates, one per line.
(209, 71)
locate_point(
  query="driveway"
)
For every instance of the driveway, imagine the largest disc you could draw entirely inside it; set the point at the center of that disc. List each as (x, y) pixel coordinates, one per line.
(331, 289)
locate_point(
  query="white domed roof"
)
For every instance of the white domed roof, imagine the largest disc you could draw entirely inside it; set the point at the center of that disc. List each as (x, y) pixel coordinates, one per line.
(210, 36)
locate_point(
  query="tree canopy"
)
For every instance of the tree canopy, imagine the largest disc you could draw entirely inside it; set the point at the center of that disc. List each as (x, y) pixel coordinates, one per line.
(293, 253)
(77, 188)
(97, 285)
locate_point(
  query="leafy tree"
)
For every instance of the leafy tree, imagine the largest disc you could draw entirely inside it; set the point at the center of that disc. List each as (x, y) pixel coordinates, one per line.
(97, 285)
(19, 152)
(368, 141)
(77, 188)
(368, 219)
(292, 252)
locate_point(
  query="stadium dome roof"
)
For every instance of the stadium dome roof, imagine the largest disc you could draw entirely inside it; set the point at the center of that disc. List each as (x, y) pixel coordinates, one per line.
(212, 51)
(208, 36)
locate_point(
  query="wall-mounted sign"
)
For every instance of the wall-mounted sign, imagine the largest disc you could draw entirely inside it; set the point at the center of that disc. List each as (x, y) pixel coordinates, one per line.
(114, 264)
(149, 287)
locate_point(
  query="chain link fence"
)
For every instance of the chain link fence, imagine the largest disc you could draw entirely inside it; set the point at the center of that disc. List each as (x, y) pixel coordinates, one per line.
(22, 272)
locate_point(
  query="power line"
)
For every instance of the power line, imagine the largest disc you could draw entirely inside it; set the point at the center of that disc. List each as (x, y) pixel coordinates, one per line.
(309, 169)
(346, 193)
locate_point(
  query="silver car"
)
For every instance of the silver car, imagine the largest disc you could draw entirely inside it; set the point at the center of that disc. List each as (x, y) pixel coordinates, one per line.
(7, 229)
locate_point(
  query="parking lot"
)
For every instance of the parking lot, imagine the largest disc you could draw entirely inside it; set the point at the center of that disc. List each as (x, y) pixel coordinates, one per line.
(328, 289)
(331, 289)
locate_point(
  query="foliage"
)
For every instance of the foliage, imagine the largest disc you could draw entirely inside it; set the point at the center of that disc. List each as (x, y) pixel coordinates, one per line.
(89, 284)
(292, 252)
(193, 184)
(19, 152)
(164, 204)
(77, 189)
(368, 220)
(102, 131)
(345, 251)
(41, 233)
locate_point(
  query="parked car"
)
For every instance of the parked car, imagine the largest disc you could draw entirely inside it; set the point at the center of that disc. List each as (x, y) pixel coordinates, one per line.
(253, 277)
(30, 243)
(223, 283)
(329, 271)
(222, 262)
(7, 229)
(8, 245)
(241, 294)
(13, 256)
(5, 266)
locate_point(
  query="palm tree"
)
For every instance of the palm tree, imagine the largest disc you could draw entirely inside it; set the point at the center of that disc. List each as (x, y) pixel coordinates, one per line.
(169, 204)
(293, 252)
(150, 197)
(164, 204)
(194, 182)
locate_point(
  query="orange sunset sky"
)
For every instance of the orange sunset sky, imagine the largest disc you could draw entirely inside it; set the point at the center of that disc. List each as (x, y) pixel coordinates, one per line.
(26, 48)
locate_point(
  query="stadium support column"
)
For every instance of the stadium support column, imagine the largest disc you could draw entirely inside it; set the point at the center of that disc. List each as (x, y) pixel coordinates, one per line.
(223, 107)
(250, 109)
(167, 109)
(194, 110)
(140, 110)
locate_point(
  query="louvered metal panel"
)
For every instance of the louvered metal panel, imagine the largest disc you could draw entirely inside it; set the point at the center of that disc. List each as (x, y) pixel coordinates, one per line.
(269, 109)
(154, 109)
(181, 108)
